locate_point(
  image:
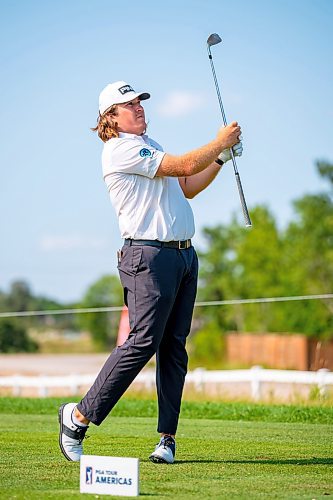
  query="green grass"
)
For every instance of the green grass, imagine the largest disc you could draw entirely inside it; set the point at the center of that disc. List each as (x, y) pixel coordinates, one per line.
(130, 407)
(225, 450)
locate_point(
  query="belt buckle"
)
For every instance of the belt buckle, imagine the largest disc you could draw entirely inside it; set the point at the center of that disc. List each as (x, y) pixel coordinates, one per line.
(183, 245)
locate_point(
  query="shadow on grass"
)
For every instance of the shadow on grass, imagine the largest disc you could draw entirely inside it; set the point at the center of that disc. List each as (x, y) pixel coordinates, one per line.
(264, 461)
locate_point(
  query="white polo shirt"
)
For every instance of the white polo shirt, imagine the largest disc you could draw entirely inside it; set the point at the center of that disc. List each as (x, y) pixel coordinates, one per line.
(148, 207)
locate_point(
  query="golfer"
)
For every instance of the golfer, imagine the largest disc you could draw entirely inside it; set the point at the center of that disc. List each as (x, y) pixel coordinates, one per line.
(157, 264)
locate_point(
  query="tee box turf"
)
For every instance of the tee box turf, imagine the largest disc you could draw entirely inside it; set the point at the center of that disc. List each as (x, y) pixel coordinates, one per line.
(109, 475)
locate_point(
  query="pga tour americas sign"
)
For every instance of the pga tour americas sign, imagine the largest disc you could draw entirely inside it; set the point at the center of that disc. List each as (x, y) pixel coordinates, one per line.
(109, 475)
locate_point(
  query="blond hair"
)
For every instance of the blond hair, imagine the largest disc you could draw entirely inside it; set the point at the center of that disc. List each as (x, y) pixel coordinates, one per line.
(107, 126)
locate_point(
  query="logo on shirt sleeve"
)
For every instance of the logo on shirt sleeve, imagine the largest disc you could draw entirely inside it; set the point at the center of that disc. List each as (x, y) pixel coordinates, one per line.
(145, 153)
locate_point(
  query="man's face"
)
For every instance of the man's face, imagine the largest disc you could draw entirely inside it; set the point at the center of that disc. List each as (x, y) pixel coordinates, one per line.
(131, 117)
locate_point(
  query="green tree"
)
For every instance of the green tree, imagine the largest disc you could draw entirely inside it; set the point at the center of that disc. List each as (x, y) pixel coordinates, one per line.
(268, 262)
(14, 338)
(19, 297)
(242, 263)
(207, 347)
(259, 260)
(309, 257)
(217, 271)
(103, 326)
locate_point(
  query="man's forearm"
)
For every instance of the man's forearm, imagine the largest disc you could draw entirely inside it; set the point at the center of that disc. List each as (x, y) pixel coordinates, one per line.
(191, 163)
(194, 184)
(199, 159)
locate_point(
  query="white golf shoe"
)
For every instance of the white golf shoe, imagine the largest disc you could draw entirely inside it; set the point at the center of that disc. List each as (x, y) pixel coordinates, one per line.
(70, 434)
(165, 451)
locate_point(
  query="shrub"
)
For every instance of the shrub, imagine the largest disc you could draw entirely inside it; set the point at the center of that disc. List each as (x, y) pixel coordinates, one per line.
(14, 338)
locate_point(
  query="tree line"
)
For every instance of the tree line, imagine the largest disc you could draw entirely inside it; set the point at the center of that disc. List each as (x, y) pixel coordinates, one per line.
(266, 261)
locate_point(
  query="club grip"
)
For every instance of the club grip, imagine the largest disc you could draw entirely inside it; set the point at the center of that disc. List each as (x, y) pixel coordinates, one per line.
(247, 219)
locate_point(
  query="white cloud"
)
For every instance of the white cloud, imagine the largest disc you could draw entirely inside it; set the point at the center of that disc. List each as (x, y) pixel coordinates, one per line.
(50, 243)
(180, 103)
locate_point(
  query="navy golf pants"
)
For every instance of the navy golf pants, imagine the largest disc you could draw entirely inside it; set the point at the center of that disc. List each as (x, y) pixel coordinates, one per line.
(159, 288)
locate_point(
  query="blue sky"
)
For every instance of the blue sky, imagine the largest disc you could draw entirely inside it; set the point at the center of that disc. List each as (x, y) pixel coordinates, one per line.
(58, 229)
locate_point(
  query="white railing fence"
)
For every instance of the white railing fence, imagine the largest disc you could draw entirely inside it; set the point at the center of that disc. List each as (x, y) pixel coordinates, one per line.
(254, 382)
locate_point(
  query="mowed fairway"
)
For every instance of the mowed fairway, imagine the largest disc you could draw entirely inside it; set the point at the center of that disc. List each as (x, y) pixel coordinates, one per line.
(237, 451)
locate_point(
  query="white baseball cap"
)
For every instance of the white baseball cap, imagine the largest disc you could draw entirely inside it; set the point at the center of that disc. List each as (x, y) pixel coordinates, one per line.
(117, 93)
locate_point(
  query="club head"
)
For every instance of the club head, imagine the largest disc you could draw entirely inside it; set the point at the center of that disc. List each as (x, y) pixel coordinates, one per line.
(213, 39)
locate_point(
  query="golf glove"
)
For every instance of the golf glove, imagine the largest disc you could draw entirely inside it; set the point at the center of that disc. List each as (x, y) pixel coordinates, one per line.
(225, 155)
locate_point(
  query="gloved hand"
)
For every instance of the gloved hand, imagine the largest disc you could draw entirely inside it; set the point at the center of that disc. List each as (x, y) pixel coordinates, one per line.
(225, 155)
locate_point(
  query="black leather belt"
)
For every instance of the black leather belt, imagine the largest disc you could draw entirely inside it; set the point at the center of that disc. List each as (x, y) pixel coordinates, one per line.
(179, 245)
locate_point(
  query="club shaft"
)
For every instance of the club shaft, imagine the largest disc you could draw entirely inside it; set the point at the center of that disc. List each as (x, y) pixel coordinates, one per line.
(217, 88)
(246, 214)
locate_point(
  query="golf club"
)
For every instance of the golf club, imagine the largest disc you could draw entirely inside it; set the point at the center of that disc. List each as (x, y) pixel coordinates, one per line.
(214, 39)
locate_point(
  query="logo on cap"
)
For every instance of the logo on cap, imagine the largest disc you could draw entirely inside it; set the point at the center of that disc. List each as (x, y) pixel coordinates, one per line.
(125, 88)
(145, 153)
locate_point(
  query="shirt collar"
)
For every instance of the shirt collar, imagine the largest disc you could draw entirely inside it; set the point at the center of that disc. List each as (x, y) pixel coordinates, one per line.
(123, 135)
